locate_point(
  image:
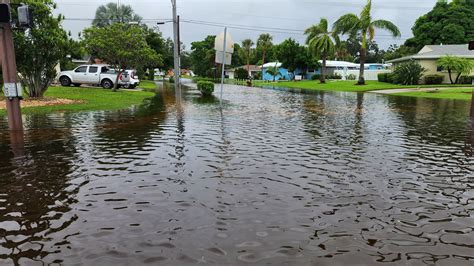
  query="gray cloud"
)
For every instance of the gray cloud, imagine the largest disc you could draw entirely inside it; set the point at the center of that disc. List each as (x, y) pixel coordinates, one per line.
(284, 15)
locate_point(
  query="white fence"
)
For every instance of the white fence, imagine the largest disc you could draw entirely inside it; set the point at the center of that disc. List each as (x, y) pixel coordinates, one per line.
(368, 74)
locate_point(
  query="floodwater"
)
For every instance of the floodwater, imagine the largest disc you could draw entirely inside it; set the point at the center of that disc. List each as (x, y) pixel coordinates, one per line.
(276, 178)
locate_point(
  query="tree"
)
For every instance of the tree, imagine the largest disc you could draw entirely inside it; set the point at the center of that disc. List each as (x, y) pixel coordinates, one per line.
(122, 46)
(292, 55)
(394, 51)
(40, 49)
(241, 73)
(247, 51)
(110, 13)
(203, 57)
(446, 24)
(365, 26)
(274, 71)
(264, 43)
(322, 43)
(156, 42)
(454, 64)
(373, 53)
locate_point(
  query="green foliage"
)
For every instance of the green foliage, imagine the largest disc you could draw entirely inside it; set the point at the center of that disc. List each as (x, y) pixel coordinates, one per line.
(257, 76)
(395, 51)
(40, 49)
(334, 76)
(433, 79)
(465, 80)
(454, 64)
(382, 77)
(241, 73)
(264, 44)
(292, 55)
(203, 56)
(122, 46)
(408, 73)
(171, 80)
(316, 77)
(274, 71)
(447, 24)
(247, 51)
(364, 26)
(205, 87)
(111, 13)
(351, 77)
(322, 43)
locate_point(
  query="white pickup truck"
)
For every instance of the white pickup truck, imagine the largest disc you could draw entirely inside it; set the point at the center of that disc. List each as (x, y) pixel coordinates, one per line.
(101, 75)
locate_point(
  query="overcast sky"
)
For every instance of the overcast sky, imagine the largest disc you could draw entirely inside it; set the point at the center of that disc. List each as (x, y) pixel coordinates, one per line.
(281, 18)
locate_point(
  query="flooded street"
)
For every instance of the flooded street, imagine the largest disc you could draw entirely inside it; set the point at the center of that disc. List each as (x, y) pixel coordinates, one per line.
(275, 178)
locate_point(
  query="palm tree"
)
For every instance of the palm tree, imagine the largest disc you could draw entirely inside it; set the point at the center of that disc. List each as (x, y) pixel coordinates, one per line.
(274, 71)
(322, 43)
(247, 45)
(112, 13)
(265, 42)
(365, 26)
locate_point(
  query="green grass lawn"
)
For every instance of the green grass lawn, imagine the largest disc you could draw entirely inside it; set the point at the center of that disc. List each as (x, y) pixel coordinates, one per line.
(458, 94)
(147, 85)
(93, 99)
(342, 85)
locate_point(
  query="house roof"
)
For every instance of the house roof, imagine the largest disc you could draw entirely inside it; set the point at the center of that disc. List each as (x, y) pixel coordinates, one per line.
(438, 51)
(272, 64)
(330, 63)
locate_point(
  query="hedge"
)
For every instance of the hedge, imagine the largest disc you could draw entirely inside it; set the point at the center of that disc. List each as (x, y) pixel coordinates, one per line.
(205, 87)
(434, 79)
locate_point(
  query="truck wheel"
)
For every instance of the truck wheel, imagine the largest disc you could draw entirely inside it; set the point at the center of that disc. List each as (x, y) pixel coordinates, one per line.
(65, 81)
(107, 84)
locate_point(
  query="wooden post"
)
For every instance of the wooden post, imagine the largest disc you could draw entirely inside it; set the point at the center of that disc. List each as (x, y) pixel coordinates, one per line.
(8, 60)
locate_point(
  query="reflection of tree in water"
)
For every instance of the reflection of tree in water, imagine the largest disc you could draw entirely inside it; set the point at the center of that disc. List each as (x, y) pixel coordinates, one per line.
(438, 121)
(35, 193)
(469, 147)
(132, 126)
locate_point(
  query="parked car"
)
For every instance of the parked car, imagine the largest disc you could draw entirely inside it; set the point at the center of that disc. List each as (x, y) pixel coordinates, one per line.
(133, 80)
(101, 75)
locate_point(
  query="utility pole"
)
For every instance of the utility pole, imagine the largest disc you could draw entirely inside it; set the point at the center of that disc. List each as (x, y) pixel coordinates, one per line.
(8, 60)
(177, 71)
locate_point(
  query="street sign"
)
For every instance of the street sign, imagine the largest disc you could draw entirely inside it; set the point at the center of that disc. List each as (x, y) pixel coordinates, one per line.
(219, 57)
(219, 43)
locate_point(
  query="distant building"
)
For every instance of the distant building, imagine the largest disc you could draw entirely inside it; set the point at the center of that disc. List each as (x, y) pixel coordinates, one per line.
(428, 56)
(253, 70)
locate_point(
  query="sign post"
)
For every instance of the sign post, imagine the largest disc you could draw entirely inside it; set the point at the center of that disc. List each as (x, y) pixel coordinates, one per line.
(224, 46)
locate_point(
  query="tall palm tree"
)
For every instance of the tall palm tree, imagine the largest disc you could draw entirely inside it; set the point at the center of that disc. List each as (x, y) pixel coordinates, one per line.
(247, 45)
(265, 42)
(112, 13)
(322, 43)
(365, 26)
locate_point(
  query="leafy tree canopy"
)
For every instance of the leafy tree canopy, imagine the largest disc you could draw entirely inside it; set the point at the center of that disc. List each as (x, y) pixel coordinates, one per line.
(110, 13)
(120, 45)
(39, 49)
(292, 55)
(451, 23)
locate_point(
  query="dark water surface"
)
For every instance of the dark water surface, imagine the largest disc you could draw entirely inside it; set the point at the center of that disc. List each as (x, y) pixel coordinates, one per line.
(275, 178)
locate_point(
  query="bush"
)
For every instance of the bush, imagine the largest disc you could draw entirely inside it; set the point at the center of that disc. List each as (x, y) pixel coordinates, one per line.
(171, 80)
(241, 73)
(205, 87)
(465, 80)
(390, 78)
(316, 77)
(334, 76)
(408, 73)
(382, 77)
(257, 76)
(351, 77)
(434, 79)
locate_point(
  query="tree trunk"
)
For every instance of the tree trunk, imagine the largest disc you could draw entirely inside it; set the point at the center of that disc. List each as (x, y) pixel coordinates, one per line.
(248, 65)
(450, 75)
(263, 61)
(472, 108)
(363, 52)
(457, 78)
(322, 78)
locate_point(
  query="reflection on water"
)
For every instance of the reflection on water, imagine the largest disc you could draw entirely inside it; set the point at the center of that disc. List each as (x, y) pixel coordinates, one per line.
(272, 178)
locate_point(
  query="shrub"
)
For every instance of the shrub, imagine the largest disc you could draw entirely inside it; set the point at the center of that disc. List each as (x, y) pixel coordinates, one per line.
(382, 77)
(408, 73)
(465, 80)
(390, 78)
(257, 76)
(241, 73)
(434, 79)
(351, 77)
(316, 77)
(334, 76)
(205, 87)
(171, 80)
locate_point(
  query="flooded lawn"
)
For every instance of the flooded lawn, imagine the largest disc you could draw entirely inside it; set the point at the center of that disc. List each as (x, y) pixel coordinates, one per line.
(275, 178)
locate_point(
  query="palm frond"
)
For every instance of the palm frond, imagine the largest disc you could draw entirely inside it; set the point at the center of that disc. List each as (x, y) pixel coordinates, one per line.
(386, 25)
(348, 23)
